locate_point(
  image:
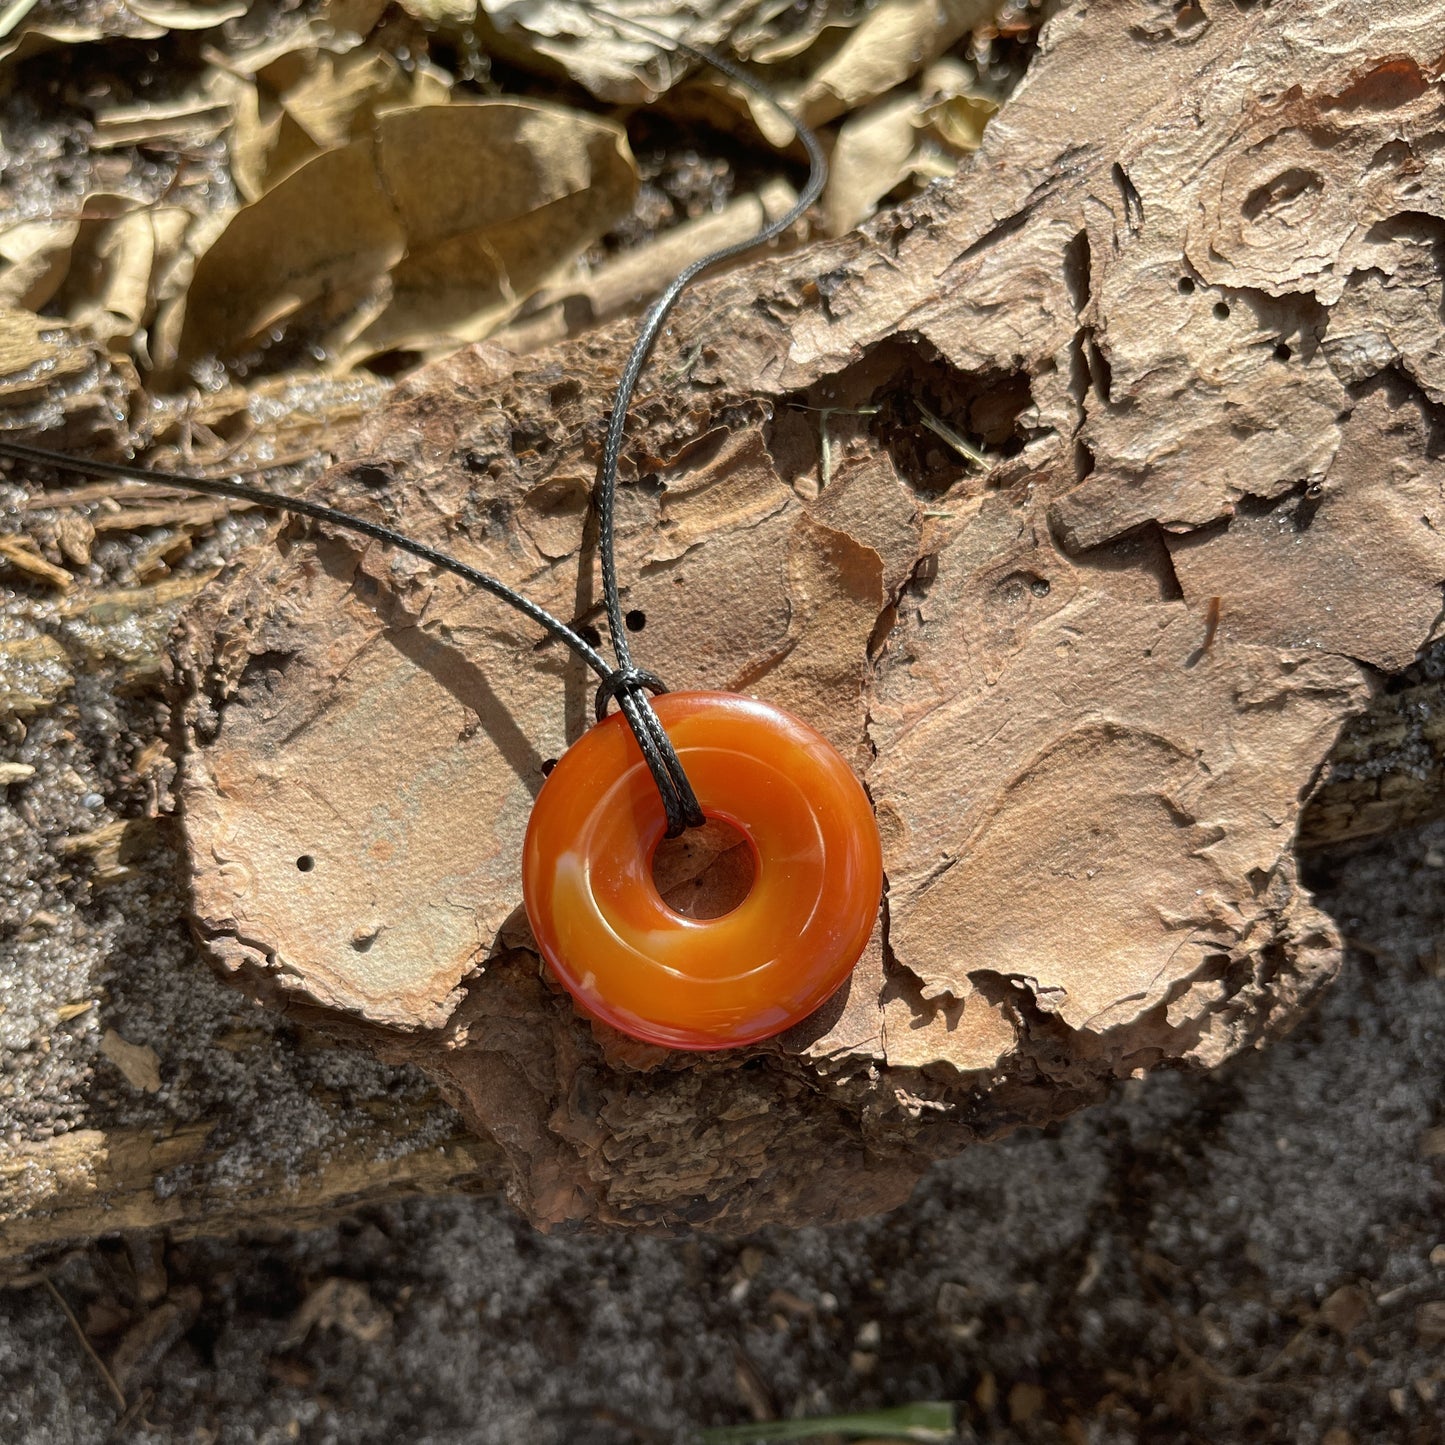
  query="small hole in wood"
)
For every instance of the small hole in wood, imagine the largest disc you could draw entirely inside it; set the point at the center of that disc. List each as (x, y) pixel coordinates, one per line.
(1186, 286)
(705, 873)
(1221, 311)
(1282, 352)
(305, 863)
(548, 766)
(636, 620)
(371, 475)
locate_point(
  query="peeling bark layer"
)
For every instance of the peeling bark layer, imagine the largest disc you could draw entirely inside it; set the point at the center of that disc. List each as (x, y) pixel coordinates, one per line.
(1187, 298)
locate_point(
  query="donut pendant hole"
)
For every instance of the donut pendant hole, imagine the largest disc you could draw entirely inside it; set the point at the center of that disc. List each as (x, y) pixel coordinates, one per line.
(707, 872)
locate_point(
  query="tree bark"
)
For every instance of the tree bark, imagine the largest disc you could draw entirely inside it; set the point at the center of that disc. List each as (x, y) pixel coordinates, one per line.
(1187, 298)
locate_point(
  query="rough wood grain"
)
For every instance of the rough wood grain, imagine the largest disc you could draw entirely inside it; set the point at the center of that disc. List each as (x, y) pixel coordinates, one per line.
(1187, 298)
(1386, 772)
(90, 1182)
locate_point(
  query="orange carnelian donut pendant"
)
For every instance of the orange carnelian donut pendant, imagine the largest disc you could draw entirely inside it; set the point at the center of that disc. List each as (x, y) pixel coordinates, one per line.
(711, 983)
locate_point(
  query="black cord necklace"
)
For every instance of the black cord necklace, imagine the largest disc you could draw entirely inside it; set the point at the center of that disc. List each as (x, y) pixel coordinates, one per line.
(625, 682)
(595, 911)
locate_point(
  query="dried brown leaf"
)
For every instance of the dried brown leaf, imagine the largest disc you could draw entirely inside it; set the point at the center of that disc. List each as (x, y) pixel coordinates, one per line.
(617, 65)
(873, 154)
(108, 292)
(326, 231)
(550, 184)
(29, 39)
(13, 14)
(353, 19)
(326, 100)
(891, 43)
(960, 119)
(22, 37)
(629, 279)
(443, 12)
(437, 223)
(909, 135)
(852, 51)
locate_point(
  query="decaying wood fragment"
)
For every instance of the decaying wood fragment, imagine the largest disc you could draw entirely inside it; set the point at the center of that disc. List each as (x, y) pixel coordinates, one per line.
(92, 1182)
(1386, 772)
(1186, 299)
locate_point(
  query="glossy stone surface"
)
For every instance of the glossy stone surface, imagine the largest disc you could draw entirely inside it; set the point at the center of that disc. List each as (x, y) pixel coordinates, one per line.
(714, 983)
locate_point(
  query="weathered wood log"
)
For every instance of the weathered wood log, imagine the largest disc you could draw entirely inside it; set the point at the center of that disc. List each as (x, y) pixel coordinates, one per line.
(1386, 772)
(88, 1182)
(1187, 300)
(97, 1180)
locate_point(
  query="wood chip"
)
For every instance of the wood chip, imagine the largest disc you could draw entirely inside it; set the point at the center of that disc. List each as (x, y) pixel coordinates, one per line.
(119, 492)
(75, 535)
(1345, 1309)
(22, 553)
(34, 671)
(114, 848)
(138, 1063)
(1432, 1143)
(339, 1304)
(1088, 815)
(192, 512)
(179, 123)
(1430, 1322)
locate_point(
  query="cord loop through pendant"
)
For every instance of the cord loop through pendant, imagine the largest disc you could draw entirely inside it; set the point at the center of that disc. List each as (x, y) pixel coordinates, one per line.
(629, 685)
(625, 679)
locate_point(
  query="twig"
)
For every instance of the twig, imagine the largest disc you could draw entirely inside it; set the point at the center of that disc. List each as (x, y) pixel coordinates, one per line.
(89, 1349)
(825, 442)
(131, 1415)
(944, 432)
